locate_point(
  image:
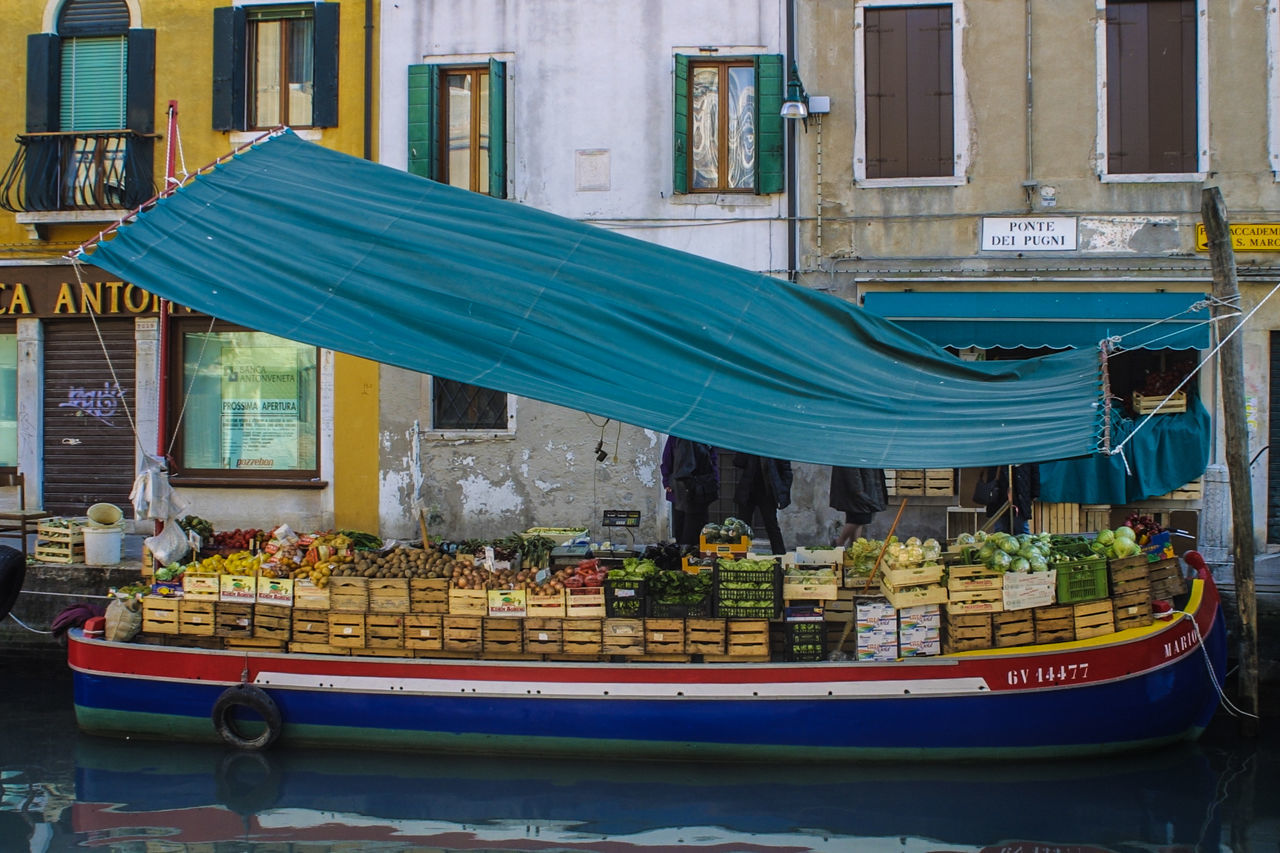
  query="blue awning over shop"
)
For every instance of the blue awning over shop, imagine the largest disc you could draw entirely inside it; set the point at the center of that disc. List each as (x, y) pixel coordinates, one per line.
(1033, 319)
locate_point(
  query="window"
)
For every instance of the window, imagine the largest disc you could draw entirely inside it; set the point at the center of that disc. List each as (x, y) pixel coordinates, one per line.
(459, 406)
(728, 127)
(457, 125)
(908, 84)
(281, 68)
(8, 399)
(88, 81)
(247, 402)
(1151, 121)
(275, 65)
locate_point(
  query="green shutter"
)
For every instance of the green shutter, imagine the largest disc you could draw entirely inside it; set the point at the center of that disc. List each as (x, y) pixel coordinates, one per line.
(680, 144)
(770, 158)
(229, 68)
(424, 117)
(93, 83)
(497, 129)
(324, 107)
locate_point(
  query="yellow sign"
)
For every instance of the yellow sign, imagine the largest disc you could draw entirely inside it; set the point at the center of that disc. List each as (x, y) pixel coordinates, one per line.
(1253, 237)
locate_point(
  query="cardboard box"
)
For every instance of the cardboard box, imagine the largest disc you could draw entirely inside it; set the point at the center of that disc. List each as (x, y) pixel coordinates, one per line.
(237, 589)
(277, 591)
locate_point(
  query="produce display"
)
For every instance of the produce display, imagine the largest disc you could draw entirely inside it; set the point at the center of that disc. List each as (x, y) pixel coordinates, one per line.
(929, 601)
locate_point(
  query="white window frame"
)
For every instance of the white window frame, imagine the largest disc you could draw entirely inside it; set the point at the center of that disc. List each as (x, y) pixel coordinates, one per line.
(1273, 89)
(1202, 106)
(960, 99)
(431, 432)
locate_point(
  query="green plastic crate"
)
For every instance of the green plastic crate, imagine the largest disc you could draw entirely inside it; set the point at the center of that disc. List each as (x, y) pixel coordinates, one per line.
(1082, 580)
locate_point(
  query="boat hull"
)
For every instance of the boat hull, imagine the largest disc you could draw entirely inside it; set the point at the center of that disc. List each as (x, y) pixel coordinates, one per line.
(1134, 689)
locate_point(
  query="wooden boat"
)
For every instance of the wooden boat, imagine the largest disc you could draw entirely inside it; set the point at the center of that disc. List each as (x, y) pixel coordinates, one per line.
(1136, 688)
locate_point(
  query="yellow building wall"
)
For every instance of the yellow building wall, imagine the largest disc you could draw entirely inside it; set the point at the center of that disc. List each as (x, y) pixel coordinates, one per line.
(184, 63)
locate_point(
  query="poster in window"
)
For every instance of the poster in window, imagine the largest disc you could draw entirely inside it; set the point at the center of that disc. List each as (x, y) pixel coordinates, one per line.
(261, 415)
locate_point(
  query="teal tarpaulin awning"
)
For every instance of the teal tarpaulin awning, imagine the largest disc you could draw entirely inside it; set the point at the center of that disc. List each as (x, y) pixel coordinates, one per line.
(1032, 319)
(1162, 453)
(321, 247)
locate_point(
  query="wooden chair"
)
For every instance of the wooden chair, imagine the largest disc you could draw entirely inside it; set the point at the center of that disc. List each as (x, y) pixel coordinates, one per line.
(20, 521)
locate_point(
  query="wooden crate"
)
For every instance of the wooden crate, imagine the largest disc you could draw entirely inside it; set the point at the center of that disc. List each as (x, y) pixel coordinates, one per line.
(429, 595)
(310, 627)
(746, 639)
(346, 629)
(1132, 610)
(308, 596)
(969, 577)
(1056, 517)
(1093, 619)
(1013, 628)
(704, 636)
(259, 644)
(964, 632)
(384, 631)
(921, 482)
(503, 636)
(583, 636)
(1131, 574)
(1192, 491)
(349, 595)
(622, 637)
(232, 620)
(70, 534)
(1146, 404)
(1055, 624)
(424, 631)
(463, 633)
(272, 622)
(545, 605)
(584, 603)
(664, 637)
(317, 649)
(1166, 578)
(59, 552)
(468, 602)
(914, 596)
(543, 635)
(195, 617)
(396, 652)
(839, 609)
(905, 576)
(388, 595)
(160, 614)
(1095, 517)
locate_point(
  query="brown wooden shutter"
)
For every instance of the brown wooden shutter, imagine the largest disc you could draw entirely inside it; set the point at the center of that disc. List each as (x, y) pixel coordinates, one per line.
(1151, 87)
(909, 96)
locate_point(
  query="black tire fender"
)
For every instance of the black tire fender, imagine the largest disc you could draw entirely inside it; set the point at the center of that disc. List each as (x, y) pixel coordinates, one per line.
(13, 571)
(254, 699)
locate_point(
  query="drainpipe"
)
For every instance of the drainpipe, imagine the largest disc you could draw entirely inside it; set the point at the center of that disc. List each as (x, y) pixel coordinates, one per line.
(1029, 184)
(793, 201)
(368, 79)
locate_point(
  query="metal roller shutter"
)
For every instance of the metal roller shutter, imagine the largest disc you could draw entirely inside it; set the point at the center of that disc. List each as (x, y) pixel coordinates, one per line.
(89, 444)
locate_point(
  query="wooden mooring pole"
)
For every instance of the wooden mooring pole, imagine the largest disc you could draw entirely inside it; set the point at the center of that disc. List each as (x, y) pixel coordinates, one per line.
(1227, 314)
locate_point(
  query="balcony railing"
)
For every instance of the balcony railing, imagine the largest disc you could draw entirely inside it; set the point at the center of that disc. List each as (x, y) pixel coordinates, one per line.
(96, 170)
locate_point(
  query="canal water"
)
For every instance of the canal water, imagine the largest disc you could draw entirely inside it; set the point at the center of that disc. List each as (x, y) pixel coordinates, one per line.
(65, 791)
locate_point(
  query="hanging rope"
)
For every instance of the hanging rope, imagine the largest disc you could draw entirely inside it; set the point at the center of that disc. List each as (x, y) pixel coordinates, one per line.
(25, 625)
(1221, 343)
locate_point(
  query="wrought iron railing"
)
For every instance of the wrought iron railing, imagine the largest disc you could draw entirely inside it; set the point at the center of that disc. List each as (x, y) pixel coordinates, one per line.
(97, 170)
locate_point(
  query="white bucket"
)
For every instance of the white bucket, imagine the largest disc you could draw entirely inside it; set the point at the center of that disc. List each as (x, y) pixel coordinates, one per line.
(104, 515)
(102, 545)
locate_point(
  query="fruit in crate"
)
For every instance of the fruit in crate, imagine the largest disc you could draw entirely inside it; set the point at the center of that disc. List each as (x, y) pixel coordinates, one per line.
(238, 563)
(1116, 544)
(1023, 552)
(733, 530)
(246, 539)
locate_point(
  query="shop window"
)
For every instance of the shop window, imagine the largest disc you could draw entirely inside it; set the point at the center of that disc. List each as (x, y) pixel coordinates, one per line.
(243, 404)
(460, 406)
(728, 124)
(8, 400)
(1151, 88)
(458, 124)
(275, 65)
(909, 86)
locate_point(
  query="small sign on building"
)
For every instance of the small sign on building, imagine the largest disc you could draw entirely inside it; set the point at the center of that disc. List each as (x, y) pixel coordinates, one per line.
(1028, 234)
(1246, 237)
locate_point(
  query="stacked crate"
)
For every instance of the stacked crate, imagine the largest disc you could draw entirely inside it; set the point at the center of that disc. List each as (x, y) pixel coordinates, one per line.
(60, 540)
(926, 482)
(1131, 591)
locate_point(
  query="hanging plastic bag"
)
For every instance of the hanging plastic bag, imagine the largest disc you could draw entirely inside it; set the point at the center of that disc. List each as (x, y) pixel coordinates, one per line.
(124, 619)
(170, 545)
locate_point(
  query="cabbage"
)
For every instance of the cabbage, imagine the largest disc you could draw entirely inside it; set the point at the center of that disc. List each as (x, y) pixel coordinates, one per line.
(1000, 561)
(1009, 546)
(1105, 537)
(1125, 532)
(1019, 564)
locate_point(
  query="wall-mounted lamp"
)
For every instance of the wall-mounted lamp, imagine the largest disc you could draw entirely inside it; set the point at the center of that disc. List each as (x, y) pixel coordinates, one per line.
(797, 103)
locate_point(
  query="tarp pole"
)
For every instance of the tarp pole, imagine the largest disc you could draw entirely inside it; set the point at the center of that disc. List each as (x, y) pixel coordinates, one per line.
(162, 328)
(1227, 314)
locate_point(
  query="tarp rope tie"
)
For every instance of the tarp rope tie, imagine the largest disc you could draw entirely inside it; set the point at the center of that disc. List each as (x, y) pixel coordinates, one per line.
(1229, 303)
(15, 618)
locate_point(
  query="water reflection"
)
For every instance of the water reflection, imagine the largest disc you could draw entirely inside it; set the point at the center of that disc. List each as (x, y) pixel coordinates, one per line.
(131, 795)
(62, 790)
